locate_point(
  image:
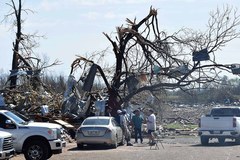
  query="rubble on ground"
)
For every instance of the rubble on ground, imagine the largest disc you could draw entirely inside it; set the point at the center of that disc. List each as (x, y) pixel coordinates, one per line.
(184, 115)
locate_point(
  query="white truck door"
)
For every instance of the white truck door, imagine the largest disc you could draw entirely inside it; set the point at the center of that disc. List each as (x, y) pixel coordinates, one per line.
(13, 129)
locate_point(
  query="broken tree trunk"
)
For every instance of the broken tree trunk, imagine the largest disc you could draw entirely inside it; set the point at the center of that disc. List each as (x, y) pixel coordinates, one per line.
(15, 62)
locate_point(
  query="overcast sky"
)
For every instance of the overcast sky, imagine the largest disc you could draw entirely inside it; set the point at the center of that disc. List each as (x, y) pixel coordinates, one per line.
(74, 27)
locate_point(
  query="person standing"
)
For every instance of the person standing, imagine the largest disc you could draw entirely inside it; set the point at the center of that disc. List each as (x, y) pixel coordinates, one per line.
(108, 111)
(151, 124)
(137, 121)
(124, 125)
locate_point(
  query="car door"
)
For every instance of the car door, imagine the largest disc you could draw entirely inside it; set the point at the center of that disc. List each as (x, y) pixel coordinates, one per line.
(8, 125)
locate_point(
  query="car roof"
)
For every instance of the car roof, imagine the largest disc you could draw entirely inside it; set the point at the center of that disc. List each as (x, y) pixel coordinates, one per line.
(3, 110)
(221, 107)
(99, 117)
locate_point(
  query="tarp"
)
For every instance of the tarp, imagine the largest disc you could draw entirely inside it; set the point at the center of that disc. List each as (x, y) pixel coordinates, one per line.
(201, 55)
(71, 82)
(179, 71)
(20, 72)
(2, 102)
(100, 107)
(44, 110)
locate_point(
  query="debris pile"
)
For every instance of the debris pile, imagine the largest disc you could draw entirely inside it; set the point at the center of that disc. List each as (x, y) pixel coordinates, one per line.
(184, 116)
(79, 100)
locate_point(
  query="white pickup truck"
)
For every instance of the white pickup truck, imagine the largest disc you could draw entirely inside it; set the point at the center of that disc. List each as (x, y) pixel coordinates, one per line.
(6, 145)
(221, 123)
(37, 141)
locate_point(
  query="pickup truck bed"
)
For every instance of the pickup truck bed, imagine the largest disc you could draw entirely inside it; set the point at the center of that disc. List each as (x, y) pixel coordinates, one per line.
(222, 123)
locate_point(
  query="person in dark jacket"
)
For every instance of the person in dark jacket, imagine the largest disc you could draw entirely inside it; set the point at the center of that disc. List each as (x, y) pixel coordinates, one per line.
(137, 121)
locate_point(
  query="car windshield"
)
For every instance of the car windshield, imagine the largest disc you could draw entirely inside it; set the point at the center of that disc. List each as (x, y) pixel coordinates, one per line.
(96, 122)
(16, 119)
(225, 112)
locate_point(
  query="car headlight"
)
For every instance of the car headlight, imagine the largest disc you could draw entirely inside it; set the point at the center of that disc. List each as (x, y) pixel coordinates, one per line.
(59, 133)
(53, 133)
(79, 130)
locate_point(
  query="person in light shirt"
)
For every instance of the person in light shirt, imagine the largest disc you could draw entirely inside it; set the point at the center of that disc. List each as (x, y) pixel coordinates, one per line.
(151, 124)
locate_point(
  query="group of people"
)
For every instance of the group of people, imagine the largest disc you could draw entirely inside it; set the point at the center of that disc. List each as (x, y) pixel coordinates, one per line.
(136, 121)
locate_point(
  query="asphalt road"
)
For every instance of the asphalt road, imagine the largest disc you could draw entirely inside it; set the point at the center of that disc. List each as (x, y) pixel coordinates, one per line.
(181, 148)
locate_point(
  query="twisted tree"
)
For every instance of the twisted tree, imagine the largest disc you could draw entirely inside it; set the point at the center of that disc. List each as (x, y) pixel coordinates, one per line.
(148, 59)
(26, 89)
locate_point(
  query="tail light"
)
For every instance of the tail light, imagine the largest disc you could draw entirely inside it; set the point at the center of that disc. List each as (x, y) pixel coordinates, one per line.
(79, 131)
(234, 122)
(108, 130)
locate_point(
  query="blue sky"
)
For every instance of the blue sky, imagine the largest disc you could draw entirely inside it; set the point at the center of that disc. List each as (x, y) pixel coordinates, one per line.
(74, 27)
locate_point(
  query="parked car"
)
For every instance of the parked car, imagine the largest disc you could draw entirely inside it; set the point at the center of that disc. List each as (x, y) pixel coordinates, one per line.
(37, 141)
(221, 123)
(6, 145)
(99, 130)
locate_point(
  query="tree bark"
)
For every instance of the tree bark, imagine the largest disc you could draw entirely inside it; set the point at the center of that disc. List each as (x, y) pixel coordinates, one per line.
(15, 60)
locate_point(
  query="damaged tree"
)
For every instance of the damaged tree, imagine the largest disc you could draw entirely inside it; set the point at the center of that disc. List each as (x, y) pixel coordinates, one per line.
(25, 89)
(148, 59)
(20, 42)
(23, 48)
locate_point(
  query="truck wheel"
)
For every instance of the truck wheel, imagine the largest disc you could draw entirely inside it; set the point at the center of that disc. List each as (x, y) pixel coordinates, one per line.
(80, 146)
(49, 155)
(237, 141)
(204, 141)
(221, 140)
(36, 150)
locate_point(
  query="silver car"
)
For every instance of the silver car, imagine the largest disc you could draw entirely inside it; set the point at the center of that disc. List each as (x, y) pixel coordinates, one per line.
(99, 130)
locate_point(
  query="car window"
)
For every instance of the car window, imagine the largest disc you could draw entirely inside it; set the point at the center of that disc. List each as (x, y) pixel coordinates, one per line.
(96, 122)
(16, 119)
(2, 121)
(225, 112)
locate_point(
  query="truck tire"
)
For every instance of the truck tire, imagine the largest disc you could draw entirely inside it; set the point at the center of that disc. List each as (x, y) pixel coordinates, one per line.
(204, 140)
(80, 146)
(221, 140)
(237, 140)
(36, 150)
(49, 155)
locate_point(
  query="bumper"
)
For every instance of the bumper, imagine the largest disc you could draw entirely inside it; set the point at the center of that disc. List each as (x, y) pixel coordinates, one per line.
(106, 139)
(7, 154)
(216, 134)
(57, 145)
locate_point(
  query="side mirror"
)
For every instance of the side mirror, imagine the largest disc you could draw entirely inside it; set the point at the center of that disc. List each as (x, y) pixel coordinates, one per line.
(10, 125)
(8, 122)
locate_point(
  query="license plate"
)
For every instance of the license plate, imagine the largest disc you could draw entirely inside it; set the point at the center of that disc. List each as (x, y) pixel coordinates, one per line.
(216, 132)
(8, 154)
(93, 133)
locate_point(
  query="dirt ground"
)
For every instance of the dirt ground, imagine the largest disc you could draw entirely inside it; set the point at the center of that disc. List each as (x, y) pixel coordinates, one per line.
(180, 148)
